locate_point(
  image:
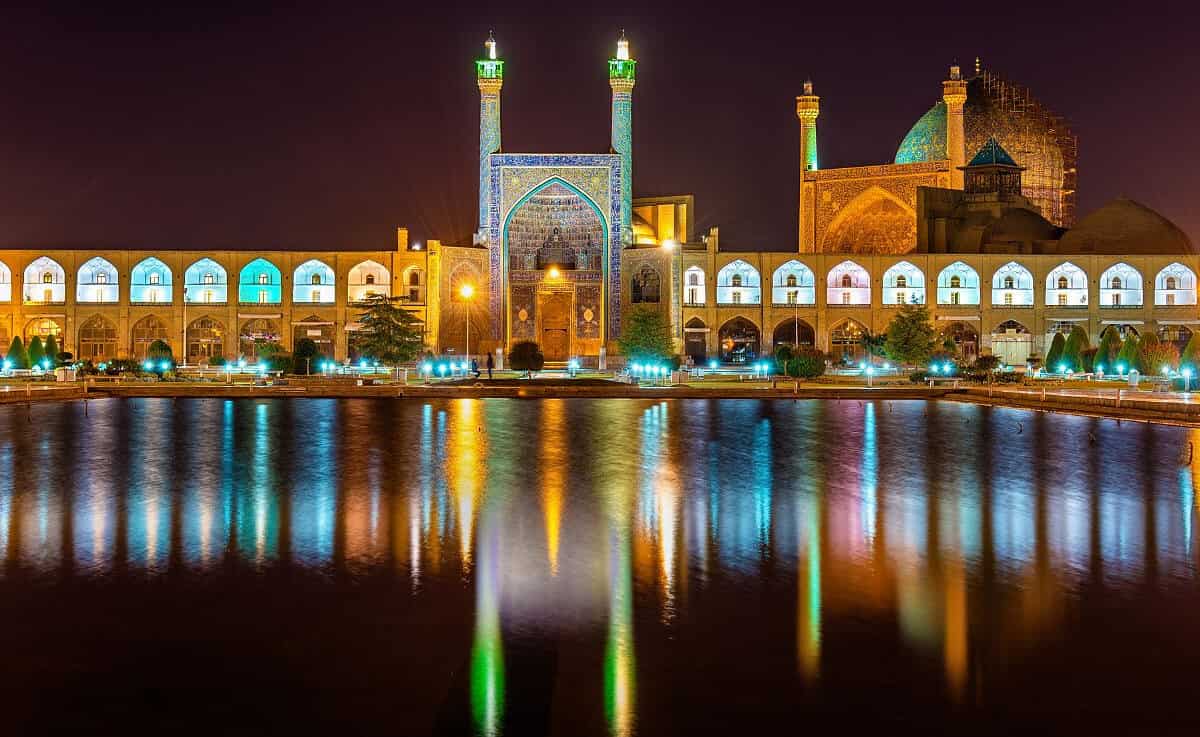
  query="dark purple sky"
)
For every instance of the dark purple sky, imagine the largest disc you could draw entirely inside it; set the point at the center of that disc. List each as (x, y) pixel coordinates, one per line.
(325, 126)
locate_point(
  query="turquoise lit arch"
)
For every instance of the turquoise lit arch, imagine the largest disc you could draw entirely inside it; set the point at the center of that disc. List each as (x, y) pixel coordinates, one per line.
(260, 281)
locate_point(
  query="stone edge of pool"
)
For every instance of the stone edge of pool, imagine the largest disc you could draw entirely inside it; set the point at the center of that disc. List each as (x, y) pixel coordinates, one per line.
(1096, 405)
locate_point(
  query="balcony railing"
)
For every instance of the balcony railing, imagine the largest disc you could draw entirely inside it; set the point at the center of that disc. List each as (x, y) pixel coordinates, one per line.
(258, 304)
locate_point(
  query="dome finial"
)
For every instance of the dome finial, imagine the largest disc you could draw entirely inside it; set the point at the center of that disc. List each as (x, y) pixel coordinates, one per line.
(623, 47)
(490, 45)
(978, 66)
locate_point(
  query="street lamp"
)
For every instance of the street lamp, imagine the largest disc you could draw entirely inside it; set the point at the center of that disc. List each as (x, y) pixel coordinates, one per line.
(467, 291)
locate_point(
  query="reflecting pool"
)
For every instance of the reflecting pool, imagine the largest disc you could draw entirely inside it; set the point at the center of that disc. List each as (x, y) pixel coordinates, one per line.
(593, 567)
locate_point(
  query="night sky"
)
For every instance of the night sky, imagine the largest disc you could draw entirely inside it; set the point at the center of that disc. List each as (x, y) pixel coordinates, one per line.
(322, 126)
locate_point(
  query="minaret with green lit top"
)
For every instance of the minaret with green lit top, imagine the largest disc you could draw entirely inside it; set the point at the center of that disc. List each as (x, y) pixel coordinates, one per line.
(489, 73)
(622, 73)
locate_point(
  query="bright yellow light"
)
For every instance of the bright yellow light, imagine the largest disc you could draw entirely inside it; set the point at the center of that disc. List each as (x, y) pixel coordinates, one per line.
(622, 48)
(553, 273)
(466, 291)
(670, 244)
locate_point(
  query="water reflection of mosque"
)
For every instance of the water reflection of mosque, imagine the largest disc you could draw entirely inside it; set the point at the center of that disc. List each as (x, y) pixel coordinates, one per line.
(625, 533)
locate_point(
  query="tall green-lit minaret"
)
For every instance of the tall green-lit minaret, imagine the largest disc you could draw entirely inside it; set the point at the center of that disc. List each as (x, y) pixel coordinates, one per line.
(622, 73)
(489, 73)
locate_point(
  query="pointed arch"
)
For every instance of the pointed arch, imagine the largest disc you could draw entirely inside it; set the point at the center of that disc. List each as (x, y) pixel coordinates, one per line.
(738, 283)
(147, 330)
(260, 282)
(5, 283)
(1066, 286)
(1175, 285)
(739, 340)
(1012, 286)
(150, 282)
(97, 339)
(846, 341)
(205, 282)
(313, 283)
(848, 284)
(793, 283)
(96, 282)
(958, 284)
(874, 221)
(903, 283)
(1121, 286)
(645, 285)
(694, 286)
(206, 340)
(368, 278)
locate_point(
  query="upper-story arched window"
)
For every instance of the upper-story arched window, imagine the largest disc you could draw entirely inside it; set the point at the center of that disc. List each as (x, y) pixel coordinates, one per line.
(313, 283)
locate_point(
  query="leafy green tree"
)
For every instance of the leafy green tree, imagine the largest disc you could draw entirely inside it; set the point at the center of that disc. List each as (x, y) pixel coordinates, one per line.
(1191, 354)
(1077, 343)
(910, 337)
(646, 336)
(1110, 346)
(306, 358)
(783, 354)
(17, 357)
(874, 345)
(36, 351)
(526, 356)
(987, 363)
(1054, 355)
(50, 350)
(1088, 360)
(806, 363)
(1128, 356)
(389, 333)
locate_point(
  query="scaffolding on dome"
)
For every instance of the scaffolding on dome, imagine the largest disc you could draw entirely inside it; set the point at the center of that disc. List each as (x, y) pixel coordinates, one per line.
(1055, 198)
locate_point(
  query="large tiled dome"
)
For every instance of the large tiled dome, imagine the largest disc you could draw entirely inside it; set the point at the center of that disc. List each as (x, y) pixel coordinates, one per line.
(1038, 140)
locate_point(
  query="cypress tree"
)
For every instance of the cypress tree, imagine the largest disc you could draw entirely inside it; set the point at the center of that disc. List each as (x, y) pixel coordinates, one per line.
(1076, 344)
(17, 357)
(1110, 346)
(52, 350)
(1191, 354)
(36, 351)
(1128, 357)
(1055, 354)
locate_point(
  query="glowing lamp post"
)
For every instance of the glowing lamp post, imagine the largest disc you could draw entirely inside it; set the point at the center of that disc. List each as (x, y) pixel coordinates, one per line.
(1187, 379)
(467, 291)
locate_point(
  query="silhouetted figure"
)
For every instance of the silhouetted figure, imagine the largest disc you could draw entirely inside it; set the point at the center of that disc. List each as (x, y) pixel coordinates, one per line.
(475, 366)
(491, 364)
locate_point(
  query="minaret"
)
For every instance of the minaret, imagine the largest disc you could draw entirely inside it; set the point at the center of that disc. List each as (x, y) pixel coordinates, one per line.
(808, 107)
(954, 93)
(622, 72)
(489, 73)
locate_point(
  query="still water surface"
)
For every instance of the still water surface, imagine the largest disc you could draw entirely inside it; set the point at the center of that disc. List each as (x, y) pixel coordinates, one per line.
(593, 567)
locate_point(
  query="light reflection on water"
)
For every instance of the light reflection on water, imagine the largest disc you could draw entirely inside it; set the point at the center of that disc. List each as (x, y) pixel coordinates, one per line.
(957, 527)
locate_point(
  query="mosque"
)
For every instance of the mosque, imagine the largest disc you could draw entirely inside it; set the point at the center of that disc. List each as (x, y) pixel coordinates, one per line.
(974, 217)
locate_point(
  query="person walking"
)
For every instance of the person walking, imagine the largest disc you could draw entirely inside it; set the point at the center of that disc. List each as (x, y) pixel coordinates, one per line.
(491, 364)
(475, 366)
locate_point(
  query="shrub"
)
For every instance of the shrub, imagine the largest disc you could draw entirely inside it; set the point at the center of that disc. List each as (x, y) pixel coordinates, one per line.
(1055, 354)
(36, 351)
(1110, 346)
(1088, 359)
(987, 363)
(50, 350)
(160, 351)
(306, 358)
(17, 357)
(1147, 347)
(526, 356)
(783, 354)
(1128, 356)
(1155, 355)
(216, 361)
(806, 363)
(1072, 354)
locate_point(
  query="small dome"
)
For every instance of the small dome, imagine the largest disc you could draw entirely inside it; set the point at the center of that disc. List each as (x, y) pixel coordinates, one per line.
(643, 232)
(1019, 225)
(1126, 227)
